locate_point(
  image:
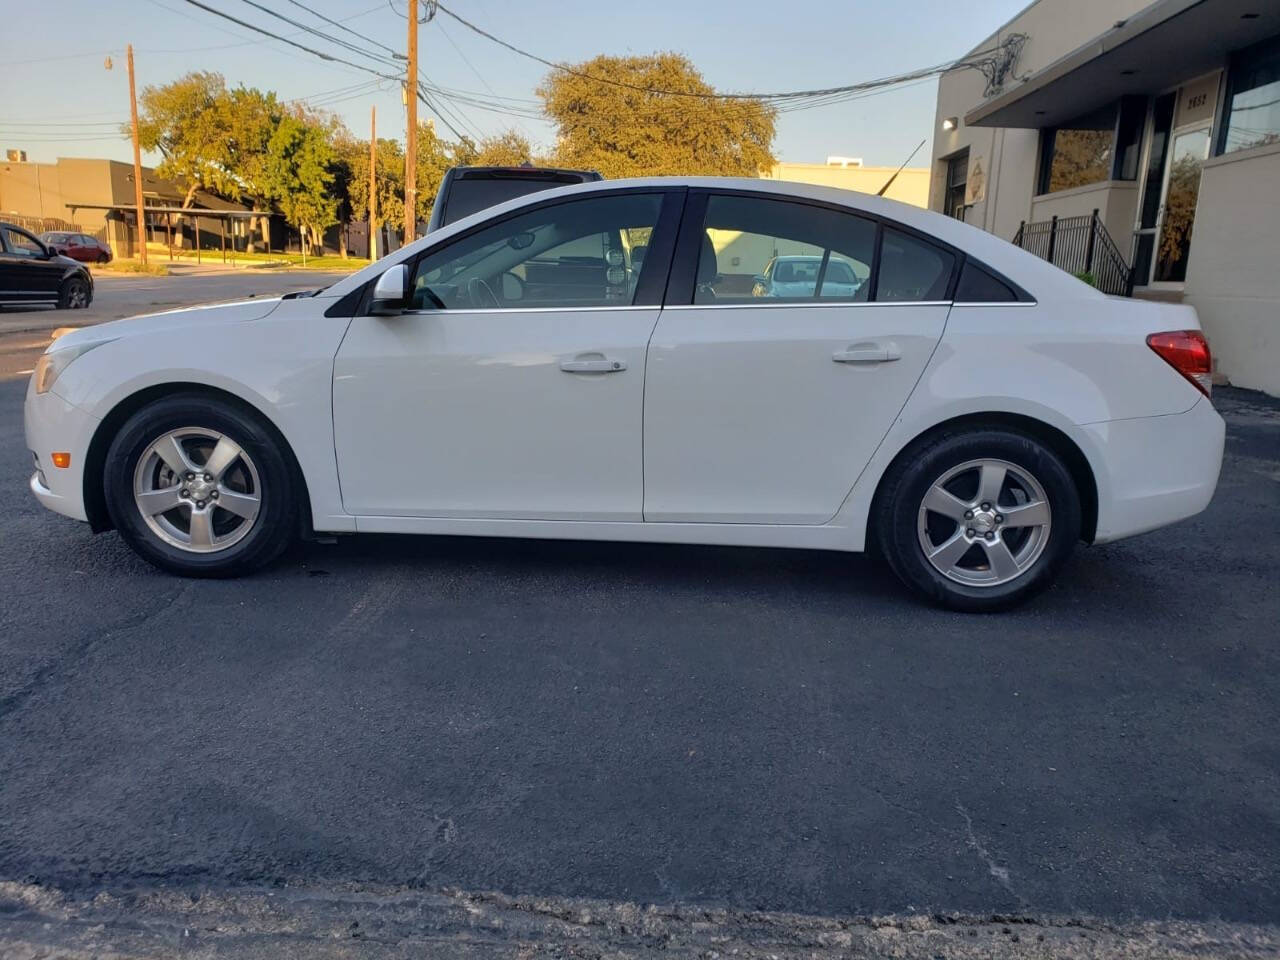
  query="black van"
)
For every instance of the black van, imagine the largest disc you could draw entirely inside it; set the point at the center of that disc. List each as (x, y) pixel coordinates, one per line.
(466, 190)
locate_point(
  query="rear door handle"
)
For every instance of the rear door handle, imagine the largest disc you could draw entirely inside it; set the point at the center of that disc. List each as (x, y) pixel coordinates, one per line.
(592, 363)
(868, 353)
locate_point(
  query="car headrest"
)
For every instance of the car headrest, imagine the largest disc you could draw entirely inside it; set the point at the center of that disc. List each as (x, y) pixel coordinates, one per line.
(707, 265)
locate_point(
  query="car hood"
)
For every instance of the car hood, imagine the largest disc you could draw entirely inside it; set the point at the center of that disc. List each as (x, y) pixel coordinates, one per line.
(240, 311)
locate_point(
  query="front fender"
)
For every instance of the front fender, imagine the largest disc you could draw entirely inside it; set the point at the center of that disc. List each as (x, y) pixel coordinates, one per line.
(281, 365)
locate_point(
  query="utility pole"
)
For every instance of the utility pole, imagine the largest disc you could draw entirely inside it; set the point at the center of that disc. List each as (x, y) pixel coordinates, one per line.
(411, 137)
(137, 164)
(373, 183)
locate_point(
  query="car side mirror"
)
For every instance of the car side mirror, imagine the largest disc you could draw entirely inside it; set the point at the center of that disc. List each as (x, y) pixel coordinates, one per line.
(391, 292)
(49, 252)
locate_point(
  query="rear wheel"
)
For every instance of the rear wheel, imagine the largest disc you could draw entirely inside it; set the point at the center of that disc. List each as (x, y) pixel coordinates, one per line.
(978, 520)
(200, 487)
(74, 294)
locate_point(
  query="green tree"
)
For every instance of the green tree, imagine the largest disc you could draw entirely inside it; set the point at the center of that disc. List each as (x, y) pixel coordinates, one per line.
(623, 129)
(186, 122)
(507, 149)
(299, 177)
(389, 171)
(251, 118)
(435, 156)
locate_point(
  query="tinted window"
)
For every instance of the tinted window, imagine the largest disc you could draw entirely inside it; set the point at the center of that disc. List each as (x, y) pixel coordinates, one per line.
(978, 286)
(814, 251)
(575, 254)
(22, 244)
(912, 269)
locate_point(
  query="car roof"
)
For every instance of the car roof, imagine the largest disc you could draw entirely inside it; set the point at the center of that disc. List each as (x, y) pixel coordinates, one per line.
(1037, 276)
(523, 170)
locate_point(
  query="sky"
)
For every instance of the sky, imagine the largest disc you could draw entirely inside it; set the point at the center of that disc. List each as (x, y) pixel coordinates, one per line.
(57, 98)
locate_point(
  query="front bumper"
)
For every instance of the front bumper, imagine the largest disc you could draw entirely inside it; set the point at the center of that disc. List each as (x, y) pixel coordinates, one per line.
(1153, 471)
(52, 424)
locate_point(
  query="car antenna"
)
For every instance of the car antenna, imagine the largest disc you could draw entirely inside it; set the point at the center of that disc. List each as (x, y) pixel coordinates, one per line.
(889, 182)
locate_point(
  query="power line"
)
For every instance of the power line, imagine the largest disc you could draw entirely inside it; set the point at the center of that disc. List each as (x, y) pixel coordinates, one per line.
(776, 98)
(337, 41)
(341, 25)
(275, 36)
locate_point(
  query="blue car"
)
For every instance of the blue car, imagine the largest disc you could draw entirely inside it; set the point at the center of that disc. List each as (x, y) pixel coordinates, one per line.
(797, 276)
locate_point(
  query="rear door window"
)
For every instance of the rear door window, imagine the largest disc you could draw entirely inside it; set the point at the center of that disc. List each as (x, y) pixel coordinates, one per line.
(912, 269)
(815, 252)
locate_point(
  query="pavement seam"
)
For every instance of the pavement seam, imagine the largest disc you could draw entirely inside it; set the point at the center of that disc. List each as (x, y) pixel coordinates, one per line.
(11, 703)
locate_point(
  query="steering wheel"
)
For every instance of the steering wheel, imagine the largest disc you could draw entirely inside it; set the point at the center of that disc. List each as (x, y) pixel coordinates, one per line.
(481, 294)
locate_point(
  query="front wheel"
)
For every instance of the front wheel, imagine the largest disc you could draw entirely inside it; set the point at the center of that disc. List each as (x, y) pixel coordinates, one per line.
(74, 294)
(200, 487)
(978, 520)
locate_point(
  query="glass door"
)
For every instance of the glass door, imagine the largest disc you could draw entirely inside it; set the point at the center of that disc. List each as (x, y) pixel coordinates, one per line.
(1178, 211)
(1152, 187)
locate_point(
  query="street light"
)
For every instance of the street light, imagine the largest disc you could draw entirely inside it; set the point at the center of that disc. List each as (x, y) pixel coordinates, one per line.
(950, 123)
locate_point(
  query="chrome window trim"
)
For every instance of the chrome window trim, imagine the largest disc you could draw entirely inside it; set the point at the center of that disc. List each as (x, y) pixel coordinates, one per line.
(503, 310)
(997, 303)
(808, 305)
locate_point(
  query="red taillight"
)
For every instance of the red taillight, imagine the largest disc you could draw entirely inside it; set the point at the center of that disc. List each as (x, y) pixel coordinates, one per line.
(1187, 351)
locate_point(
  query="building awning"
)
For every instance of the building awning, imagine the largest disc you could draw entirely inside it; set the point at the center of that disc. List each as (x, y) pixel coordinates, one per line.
(185, 211)
(1161, 46)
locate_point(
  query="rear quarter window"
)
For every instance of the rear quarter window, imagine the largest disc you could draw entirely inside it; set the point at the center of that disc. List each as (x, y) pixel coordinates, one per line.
(978, 285)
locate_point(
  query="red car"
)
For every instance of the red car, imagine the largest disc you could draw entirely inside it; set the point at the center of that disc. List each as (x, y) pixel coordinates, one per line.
(77, 246)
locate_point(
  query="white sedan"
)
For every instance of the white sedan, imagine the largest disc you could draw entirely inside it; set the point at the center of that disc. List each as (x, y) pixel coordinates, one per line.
(595, 362)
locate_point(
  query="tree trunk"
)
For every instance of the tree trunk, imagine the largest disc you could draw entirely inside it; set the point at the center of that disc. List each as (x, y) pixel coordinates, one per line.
(262, 224)
(342, 240)
(186, 202)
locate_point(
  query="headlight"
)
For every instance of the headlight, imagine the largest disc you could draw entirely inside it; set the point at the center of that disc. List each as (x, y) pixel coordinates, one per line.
(50, 365)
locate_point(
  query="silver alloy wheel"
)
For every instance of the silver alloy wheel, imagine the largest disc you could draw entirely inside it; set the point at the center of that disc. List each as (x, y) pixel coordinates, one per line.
(984, 523)
(197, 490)
(77, 295)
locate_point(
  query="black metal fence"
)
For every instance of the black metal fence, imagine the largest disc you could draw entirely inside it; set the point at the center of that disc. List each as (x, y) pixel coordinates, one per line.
(1079, 245)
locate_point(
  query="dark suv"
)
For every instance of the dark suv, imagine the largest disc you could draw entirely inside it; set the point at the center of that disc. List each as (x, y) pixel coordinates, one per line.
(466, 190)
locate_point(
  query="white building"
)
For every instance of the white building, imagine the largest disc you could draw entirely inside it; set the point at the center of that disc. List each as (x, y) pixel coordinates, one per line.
(1164, 118)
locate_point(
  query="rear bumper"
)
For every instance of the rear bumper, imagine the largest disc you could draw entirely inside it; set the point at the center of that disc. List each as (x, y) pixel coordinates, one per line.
(53, 424)
(1153, 471)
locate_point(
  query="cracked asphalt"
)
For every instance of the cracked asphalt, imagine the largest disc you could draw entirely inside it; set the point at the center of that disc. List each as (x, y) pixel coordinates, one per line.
(719, 728)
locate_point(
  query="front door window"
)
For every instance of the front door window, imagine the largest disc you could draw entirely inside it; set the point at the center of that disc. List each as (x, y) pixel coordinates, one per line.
(1182, 190)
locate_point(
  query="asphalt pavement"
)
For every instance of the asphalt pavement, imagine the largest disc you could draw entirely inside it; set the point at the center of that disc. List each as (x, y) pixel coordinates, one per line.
(719, 728)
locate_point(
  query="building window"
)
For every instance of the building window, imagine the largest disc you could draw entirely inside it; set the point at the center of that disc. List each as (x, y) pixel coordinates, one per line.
(957, 178)
(1252, 116)
(1078, 153)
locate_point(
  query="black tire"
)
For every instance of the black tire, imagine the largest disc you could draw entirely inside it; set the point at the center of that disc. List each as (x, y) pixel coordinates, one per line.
(897, 515)
(74, 294)
(272, 530)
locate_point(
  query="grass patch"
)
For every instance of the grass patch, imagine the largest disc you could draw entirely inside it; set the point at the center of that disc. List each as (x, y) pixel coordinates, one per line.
(264, 261)
(132, 266)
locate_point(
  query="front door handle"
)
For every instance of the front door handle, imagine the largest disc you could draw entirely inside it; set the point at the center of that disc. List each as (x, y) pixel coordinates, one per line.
(868, 353)
(592, 363)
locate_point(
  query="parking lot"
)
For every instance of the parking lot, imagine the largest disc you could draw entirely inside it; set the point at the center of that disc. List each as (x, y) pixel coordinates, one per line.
(714, 727)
